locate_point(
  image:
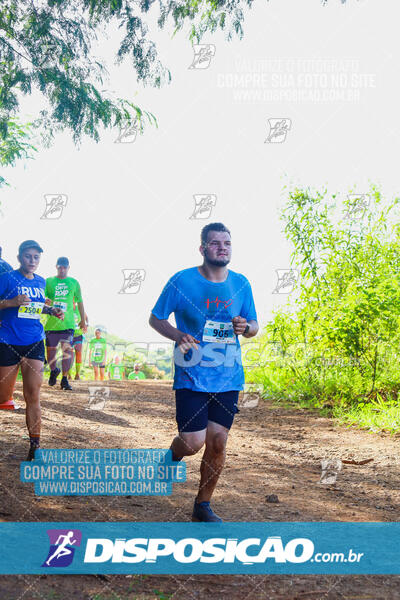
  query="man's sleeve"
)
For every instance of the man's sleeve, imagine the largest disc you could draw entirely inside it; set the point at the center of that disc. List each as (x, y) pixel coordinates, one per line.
(248, 311)
(4, 287)
(78, 293)
(168, 300)
(5, 267)
(47, 290)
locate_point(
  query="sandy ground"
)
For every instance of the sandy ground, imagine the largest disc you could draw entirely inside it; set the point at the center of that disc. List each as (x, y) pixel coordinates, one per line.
(271, 450)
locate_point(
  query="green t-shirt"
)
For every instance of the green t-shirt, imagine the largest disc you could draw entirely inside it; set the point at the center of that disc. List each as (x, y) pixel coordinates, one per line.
(62, 292)
(77, 318)
(116, 371)
(98, 348)
(134, 375)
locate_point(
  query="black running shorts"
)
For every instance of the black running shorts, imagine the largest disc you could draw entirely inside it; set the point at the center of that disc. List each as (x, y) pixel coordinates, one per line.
(195, 409)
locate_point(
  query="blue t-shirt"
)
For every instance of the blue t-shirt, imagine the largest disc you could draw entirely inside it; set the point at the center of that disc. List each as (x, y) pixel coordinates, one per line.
(18, 326)
(205, 309)
(4, 267)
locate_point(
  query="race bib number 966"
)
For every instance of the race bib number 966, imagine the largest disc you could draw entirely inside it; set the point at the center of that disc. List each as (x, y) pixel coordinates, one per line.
(214, 331)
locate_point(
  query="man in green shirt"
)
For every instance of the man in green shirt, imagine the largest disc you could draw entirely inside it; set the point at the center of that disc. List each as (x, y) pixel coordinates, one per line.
(136, 373)
(116, 370)
(77, 343)
(98, 354)
(62, 291)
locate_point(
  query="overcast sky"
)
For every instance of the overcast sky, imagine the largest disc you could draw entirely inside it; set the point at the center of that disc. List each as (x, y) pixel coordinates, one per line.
(331, 73)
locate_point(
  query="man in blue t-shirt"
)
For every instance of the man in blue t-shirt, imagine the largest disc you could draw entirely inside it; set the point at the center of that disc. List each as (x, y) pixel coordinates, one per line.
(212, 307)
(4, 266)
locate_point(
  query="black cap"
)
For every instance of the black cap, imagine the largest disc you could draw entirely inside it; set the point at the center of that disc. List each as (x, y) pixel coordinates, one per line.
(63, 261)
(29, 244)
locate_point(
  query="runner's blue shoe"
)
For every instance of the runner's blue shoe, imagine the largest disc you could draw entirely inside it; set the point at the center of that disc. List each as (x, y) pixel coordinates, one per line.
(202, 512)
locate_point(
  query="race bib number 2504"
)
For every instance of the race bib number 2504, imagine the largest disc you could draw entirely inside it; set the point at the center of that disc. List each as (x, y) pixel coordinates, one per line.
(31, 311)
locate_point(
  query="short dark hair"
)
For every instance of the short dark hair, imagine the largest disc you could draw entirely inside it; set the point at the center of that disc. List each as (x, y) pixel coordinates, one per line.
(212, 227)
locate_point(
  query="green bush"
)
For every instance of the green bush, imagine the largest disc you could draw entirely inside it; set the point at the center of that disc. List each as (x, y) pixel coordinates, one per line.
(334, 342)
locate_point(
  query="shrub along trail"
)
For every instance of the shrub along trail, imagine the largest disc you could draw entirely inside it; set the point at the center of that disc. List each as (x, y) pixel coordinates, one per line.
(271, 450)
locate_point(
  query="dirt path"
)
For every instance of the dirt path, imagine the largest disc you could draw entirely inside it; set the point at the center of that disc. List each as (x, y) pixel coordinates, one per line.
(270, 451)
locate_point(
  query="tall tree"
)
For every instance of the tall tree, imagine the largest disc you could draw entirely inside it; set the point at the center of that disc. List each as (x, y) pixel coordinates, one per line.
(46, 45)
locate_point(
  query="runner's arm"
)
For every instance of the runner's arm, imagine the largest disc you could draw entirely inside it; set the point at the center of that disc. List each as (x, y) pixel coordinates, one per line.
(240, 324)
(82, 315)
(253, 329)
(50, 310)
(185, 341)
(6, 303)
(164, 327)
(16, 301)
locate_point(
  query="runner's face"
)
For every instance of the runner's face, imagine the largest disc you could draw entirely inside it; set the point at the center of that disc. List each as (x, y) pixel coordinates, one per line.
(217, 251)
(29, 260)
(97, 333)
(62, 271)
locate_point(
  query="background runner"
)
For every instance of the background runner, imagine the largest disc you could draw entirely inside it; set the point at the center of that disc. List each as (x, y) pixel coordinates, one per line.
(62, 291)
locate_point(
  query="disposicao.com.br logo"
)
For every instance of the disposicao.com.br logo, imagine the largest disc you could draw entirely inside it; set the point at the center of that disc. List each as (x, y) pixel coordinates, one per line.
(61, 551)
(212, 550)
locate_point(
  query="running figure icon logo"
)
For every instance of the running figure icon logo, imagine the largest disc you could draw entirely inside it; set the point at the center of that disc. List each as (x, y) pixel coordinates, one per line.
(48, 56)
(62, 542)
(357, 204)
(203, 54)
(55, 204)
(98, 397)
(278, 129)
(203, 205)
(287, 279)
(252, 393)
(128, 133)
(132, 280)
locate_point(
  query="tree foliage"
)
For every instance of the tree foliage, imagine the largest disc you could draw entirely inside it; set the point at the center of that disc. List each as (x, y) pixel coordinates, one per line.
(337, 341)
(47, 46)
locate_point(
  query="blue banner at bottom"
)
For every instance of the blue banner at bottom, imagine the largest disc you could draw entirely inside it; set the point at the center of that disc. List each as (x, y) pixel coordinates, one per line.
(193, 548)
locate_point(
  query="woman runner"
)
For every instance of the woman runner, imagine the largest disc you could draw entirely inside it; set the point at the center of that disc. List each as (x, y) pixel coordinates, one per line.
(22, 301)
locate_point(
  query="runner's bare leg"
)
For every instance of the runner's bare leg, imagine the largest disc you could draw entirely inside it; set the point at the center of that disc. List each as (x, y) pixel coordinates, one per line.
(51, 357)
(188, 443)
(213, 460)
(32, 376)
(8, 377)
